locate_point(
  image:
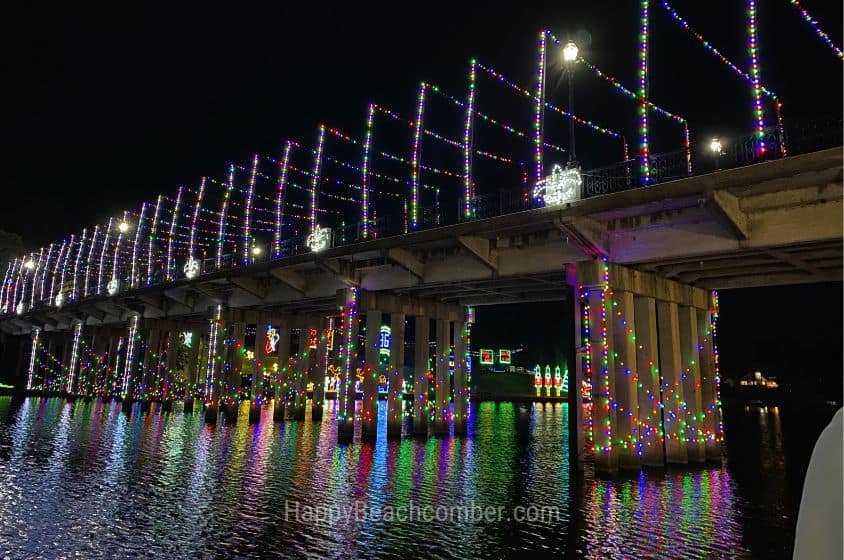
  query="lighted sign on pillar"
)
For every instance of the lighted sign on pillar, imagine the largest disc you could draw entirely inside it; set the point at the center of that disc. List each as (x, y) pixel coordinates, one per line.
(319, 239)
(384, 338)
(271, 339)
(487, 357)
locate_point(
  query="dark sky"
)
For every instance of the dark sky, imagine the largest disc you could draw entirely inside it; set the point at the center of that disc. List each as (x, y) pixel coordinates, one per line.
(107, 107)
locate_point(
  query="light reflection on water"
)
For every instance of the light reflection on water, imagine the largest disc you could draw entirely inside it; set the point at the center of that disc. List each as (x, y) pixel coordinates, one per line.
(83, 478)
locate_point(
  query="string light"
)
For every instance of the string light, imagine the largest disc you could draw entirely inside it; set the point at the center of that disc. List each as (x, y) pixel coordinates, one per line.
(172, 234)
(35, 274)
(36, 336)
(468, 186)
(539, 108)
(753, 52)
(644, 151)
(222, 223)
(416, 147)
(89, 261)
(74, 357)
(247, 210)
(196, 208)
(57, 267)
(281, 194)
(364, 176)
(315, 176)
(151, 257)
(133, 274)
(813, 23)
(130, 354)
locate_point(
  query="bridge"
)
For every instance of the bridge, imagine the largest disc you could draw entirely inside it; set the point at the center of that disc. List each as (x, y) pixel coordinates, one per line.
(277, 283)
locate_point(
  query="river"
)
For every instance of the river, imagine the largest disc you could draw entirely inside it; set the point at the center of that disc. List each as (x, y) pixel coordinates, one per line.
(83, 479)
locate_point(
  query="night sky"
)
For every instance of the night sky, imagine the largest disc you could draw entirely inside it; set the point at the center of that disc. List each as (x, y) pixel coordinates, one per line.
(106, 108)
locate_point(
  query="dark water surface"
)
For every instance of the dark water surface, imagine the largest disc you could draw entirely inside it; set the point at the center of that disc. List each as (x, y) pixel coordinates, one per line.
(83, 479)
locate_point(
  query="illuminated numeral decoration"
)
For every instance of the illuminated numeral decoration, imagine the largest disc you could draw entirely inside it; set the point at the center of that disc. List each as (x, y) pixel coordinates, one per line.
(504, 357)
(487, 357)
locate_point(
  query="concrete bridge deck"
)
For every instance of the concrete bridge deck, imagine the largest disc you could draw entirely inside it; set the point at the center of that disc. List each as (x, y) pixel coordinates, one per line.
(776, 222)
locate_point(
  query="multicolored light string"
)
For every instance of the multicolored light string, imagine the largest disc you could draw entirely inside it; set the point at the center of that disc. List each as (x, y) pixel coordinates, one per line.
(315, 177)
(74, 289)
(36, 339)
(415, 154)
(813, 23)
(281, 195)
(153, 230)
(74, 357)
(364, 174)
(130, 354)
(89, 261)
(133, 273)
(196, 208)
(539, 108)
(247, 211)
(222, 223)
(644, 150)
(35, 273)
(213, 333)
(170, 270)
(57, 268)
(468, 185)
(753, 54)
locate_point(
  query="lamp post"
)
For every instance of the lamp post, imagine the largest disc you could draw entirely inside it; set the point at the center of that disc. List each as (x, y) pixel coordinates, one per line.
(570, 52)
(715, 148)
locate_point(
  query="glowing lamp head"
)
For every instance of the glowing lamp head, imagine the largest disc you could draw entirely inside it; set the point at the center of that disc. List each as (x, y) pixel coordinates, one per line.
(29, 265)
(123, 227)
(256, 250)
(715, 146)
(570, 52)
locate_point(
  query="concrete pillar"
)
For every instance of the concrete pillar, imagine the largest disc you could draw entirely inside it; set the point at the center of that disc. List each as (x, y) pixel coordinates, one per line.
(578, 430)
(461, 389)
(346, 393)
(235, 353)
(34, 359)
(170, 347)
(626, 375)
(708, 386)
(421, 359)
(395, 377)
(97, 376)
(602, 364)
(689, 355)
(150, 365)
(647, 364)
(258, 390)
(371, 371)
(442, 392)
(318, 375)
(671, 368)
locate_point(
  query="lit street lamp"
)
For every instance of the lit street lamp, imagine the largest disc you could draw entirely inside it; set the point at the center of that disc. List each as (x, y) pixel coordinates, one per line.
(715, 148)
(570, 52)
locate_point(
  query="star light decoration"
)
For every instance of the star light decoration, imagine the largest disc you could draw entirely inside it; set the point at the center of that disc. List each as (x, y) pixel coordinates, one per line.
(319, 239)
(563, 185)
(59, 299)
(186, 338)
(191, 268)
(112, 286)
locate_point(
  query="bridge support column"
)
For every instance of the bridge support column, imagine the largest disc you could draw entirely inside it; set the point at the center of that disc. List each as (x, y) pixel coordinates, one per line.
(97, 375)
(395, 377)
(34, 359)
(442, 391)
(319, 370)
(281, 377)
(150, 365)
(170, 348)
(671, 368)
(690, 356)
(371, 372)
(647, 363)
(346, 393)
(421, 359)
(626, 375)
(461, 389)
(709, 386)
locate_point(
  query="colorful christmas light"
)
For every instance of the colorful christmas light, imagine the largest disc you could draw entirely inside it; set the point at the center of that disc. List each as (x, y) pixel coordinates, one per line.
(221, 239)
(171, 236)
(539, 108)
(415, 154)
(132, 338)
(35, 275)
(247, 211)
(281, 194)
(468, 185)
(74, 357)
(58, 267)
(753, 54)
(315, 177)
(813, 23)
(89, 261)
(153, 230)
(644, 150)
(196, 208)
(33, 355)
